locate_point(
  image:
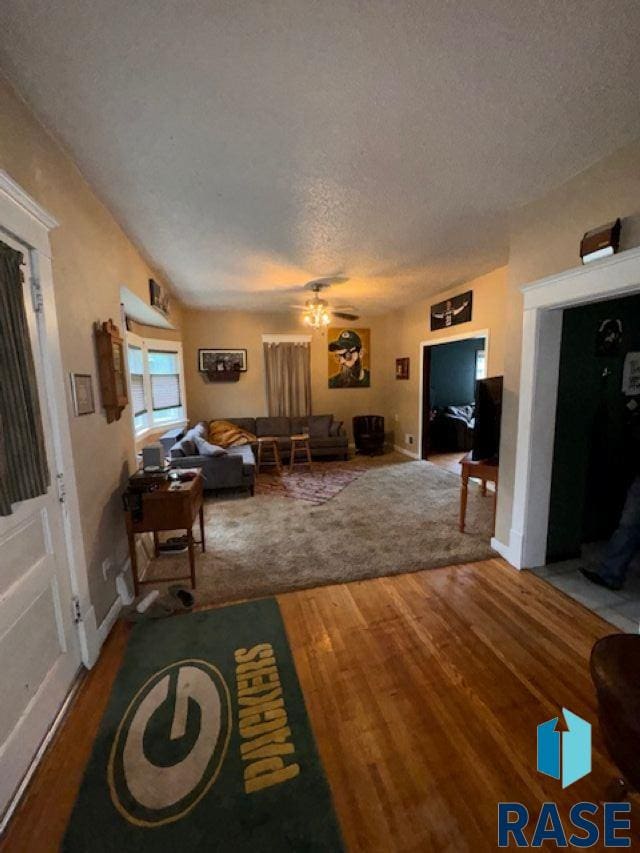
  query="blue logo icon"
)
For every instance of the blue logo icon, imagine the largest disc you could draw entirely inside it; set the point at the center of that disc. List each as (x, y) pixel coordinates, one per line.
(565, 755)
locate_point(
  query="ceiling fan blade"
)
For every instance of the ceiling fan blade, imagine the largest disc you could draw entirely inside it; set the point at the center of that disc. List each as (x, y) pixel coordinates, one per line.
(326, 281)
(350, 308)
(343, 315)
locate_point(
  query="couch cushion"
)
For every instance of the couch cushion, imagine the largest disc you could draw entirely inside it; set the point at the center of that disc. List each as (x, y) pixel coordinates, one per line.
(319, 425)
(200, 429)
(207, 449)
(188, 447)
(248, 458)
(273, 426)
(299, 425)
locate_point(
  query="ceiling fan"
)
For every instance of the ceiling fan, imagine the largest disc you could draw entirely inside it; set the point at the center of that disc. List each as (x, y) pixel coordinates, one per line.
(317, 312)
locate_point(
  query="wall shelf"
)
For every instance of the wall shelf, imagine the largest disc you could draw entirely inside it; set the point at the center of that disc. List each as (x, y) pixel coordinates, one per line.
(222, 375)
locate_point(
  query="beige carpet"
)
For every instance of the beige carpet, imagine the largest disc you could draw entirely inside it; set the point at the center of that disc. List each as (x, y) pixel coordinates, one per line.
(400, 516)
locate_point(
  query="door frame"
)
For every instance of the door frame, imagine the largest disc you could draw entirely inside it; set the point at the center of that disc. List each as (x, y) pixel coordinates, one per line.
(544, 304)
(423, 430)
(26, 221)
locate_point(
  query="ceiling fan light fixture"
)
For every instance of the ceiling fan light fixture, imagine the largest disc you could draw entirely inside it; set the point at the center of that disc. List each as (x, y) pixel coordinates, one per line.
(316, 314)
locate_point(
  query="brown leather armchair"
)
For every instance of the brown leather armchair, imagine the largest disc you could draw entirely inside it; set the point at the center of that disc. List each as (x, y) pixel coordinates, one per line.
(615, 670)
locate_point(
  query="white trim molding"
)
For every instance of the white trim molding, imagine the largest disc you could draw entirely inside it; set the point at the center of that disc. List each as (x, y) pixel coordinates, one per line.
(406, 452)
(15, 192)
(544, 303)
(286, 339)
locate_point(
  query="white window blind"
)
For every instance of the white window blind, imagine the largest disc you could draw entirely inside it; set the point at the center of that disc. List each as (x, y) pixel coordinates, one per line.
(156, 383)
(136, 377)
(164, 370)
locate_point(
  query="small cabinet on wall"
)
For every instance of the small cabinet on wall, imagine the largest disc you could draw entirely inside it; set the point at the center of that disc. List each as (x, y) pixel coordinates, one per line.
(111, 369)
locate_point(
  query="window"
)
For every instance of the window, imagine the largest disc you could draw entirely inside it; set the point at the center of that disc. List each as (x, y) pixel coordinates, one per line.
(136, 386)
(156, 383)
(481, 364)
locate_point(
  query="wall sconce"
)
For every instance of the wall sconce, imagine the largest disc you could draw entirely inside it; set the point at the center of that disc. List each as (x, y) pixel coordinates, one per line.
(600, 242)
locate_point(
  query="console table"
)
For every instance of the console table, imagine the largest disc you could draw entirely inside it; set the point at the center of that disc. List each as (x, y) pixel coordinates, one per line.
(485, 470)
(172, 506)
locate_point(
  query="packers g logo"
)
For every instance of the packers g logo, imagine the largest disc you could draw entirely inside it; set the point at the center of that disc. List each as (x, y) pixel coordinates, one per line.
(170, 743)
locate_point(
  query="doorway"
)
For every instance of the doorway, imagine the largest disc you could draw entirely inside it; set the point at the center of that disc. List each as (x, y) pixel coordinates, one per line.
(450, 369)
(525, 532)
(596, 452)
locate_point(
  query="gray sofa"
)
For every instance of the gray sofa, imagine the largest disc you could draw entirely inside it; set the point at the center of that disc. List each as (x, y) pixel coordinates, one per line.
(236, 468)
(326, 436)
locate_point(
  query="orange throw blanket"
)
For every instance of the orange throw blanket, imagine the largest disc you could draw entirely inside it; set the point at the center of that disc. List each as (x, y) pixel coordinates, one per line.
(226, 434)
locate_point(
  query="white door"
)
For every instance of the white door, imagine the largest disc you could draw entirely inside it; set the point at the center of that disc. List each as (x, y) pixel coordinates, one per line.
(39, 647)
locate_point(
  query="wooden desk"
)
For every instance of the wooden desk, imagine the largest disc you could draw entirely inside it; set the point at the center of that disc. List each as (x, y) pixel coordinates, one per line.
(168, 508)
(485, 470)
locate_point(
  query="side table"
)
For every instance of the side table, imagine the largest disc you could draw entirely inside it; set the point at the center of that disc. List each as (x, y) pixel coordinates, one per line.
(172, 506)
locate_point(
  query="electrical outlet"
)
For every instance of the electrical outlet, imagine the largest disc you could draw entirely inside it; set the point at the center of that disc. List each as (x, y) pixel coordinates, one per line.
(408, 439)
(106, 567)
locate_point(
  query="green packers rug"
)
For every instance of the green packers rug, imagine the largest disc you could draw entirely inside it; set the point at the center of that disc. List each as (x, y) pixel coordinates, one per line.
(206, 744)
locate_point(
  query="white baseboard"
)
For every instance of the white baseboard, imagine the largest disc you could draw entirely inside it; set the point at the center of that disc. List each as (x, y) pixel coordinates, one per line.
(510, 554)
(406, 452)
(104, 628)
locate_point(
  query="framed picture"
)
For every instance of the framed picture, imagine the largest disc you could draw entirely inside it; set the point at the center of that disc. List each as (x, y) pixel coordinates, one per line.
(349, 354)
(212, 360)
(631, 374)
(452, 311)
(158, 297)
(82, 392)
(402, 368)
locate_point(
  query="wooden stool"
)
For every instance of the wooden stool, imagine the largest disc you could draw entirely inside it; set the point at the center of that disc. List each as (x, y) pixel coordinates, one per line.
(300, 444)
(271, 457)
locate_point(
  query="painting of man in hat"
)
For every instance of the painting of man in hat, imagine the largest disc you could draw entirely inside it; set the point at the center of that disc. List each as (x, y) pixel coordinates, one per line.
(349, 358)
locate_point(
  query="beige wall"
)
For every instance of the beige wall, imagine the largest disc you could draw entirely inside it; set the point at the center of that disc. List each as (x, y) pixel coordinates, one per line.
(228, 329)
(545, 239)
(410, 327)
(92, 258)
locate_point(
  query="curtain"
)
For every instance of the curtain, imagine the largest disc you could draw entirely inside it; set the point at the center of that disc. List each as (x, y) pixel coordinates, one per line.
(288, 370)
(23, 459)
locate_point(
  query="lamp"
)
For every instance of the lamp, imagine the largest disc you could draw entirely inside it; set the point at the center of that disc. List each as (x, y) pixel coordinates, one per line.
(600, 242)
(316, 313)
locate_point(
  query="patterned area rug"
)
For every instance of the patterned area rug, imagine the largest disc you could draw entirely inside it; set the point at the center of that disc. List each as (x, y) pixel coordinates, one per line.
(323, 482)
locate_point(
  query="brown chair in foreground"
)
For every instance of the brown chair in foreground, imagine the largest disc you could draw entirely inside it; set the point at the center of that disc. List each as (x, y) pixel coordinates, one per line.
(615, 669)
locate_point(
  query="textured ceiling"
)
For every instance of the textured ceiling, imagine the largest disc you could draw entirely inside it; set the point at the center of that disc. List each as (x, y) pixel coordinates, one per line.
(249, 146)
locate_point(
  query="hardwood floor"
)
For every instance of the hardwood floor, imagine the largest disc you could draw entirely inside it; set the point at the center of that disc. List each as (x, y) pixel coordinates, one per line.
(450, 461)
(424, 692)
